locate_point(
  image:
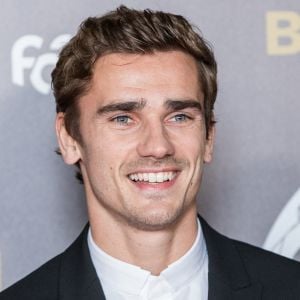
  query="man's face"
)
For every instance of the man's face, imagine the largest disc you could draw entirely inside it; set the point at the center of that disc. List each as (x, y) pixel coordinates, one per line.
(143, 138)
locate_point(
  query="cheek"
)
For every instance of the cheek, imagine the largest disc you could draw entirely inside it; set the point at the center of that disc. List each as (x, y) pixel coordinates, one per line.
(105, 156)
(191, 143)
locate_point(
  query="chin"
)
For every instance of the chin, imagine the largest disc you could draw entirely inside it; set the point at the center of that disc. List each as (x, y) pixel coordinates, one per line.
(154, 220)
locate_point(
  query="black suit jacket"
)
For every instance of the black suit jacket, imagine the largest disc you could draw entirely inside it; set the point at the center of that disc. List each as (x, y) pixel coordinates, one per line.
(236, 271)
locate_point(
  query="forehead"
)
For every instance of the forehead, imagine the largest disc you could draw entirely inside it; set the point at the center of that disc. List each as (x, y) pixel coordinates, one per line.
(172, 74)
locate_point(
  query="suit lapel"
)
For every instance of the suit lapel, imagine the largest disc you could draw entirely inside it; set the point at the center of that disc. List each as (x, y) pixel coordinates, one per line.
(220, 290)
(227, 276)
(78, 278)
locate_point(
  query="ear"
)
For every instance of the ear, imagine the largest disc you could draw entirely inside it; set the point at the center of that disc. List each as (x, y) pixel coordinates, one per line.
(68, 146)
(209, 145)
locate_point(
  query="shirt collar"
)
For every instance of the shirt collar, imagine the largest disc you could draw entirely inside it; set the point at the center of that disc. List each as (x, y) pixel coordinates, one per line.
(131, 279)
(115, 273)
(180, 272)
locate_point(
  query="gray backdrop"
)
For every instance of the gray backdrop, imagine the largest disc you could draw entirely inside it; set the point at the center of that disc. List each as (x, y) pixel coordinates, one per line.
(249, 192)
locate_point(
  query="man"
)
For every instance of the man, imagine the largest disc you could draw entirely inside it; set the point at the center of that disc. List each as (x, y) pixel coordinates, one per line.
(135, 92)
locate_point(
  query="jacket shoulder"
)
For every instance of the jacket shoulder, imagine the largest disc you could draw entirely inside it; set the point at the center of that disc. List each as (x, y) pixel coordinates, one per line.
(65, 271)
(267, 265)
(41, 284)
(280, 275)
(241, 265)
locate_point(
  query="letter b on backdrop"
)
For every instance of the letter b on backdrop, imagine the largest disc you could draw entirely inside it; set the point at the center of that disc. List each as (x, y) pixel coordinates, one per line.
(283, 33)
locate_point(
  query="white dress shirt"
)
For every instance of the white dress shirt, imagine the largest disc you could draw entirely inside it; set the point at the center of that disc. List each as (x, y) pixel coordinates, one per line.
(186, 278)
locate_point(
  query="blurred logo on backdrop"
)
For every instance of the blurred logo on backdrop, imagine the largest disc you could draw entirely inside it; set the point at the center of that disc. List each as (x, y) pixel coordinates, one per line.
(284, 236)
(283, 32)
(34, 64)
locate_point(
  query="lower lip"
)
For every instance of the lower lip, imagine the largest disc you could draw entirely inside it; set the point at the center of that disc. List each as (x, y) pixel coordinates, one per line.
(144, 185)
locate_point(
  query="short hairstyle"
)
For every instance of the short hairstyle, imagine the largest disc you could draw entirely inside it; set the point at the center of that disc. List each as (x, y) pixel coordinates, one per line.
(127, 30)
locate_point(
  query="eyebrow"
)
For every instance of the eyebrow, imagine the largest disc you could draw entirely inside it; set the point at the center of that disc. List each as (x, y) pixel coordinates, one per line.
(122, 106)
(134, 105)
(174, 105)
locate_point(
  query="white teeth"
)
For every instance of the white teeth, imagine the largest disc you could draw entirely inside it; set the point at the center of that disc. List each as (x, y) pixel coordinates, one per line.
(153, 177)
(160, 177)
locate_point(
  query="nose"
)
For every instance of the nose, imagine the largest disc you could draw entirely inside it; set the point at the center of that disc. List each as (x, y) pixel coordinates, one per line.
(155, 141)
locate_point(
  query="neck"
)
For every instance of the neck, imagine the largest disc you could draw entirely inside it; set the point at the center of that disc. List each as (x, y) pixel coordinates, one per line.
(151, 250)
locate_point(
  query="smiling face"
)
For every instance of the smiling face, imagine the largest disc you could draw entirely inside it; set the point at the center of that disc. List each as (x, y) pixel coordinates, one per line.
(143, 139)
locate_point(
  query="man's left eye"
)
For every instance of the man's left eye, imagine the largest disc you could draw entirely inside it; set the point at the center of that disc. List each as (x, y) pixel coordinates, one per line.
(180, 118)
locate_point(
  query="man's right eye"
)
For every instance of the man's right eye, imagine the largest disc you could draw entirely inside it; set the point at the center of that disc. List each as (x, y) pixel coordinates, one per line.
(122, 120)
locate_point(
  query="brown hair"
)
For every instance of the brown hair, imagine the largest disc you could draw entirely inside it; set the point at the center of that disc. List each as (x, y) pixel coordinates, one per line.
(127, 30)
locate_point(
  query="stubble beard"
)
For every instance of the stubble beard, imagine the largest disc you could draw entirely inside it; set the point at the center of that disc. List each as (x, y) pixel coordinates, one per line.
(152, 221)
